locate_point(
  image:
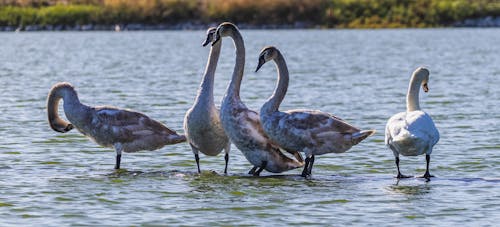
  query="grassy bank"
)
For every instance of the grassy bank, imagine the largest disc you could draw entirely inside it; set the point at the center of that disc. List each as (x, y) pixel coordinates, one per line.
(321, 13)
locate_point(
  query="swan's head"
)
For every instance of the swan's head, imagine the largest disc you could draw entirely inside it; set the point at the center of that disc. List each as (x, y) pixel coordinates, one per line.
(267, 54)
(422, 74)
(224, 29)
(61, 127)
(210, 35)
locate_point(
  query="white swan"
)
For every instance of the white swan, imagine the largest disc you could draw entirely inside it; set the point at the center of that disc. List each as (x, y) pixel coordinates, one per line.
(202, 124)
(242, 125)
(310, 131)
(413, 132)
(124, 130)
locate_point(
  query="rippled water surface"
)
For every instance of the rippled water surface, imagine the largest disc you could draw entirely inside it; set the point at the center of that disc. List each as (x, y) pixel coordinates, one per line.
(49, 178)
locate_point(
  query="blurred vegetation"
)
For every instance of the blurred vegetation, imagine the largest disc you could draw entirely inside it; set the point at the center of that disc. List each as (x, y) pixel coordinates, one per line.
(324, 13)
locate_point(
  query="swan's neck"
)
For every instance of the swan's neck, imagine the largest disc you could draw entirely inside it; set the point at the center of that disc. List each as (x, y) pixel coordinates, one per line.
(234, 86)
(273, 103)
(412, 101)
(71, 101)
(206, 91)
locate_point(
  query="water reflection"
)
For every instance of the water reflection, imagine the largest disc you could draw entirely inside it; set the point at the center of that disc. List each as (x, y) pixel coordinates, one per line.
(419, 189)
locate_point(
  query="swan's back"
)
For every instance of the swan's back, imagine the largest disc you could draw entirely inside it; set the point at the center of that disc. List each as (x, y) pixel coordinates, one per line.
(411, 133)
(312, 130)
(133, 130)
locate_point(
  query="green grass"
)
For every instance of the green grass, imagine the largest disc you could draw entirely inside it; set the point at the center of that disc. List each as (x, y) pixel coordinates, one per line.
(323, 13)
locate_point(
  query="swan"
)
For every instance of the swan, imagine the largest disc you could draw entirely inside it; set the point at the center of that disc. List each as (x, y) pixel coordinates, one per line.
(202, 124)
(124, 130)
(413, 132)
(310, 131)
(242, 125)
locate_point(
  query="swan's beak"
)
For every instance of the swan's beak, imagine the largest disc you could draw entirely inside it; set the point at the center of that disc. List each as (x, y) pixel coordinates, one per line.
(425, 87)
(261, 62)
(207, 41)
(69, 127)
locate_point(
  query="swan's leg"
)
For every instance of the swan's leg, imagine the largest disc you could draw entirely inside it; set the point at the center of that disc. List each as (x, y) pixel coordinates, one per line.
(252, 171)
(427, 175)
(196, 157)
(399, 172)
(263, 165)
(311, 162)
(118, 157)
(226, 157)
(306, 167)
(118, 160)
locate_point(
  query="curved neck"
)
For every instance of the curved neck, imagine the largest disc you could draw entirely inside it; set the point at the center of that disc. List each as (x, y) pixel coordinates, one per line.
(68, 94)
(234, 87)
(412, 101)
(206, 91)
(273, 103)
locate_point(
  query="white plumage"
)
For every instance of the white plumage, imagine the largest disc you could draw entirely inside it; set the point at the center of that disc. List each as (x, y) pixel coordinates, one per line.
(413, 132)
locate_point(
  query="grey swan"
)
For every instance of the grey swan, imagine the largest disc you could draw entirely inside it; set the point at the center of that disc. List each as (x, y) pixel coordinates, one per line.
(310, 131)
(242, 125)
(412, 132)
(202, 124)
(124, 130)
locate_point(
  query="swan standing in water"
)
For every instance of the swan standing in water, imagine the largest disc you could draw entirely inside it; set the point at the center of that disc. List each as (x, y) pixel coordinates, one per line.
(413, 132)
(310, 131)
(124, 130)
(202, 123)
(242, 125)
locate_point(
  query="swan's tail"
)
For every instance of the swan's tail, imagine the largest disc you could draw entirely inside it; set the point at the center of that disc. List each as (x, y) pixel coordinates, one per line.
(405, 137)
(173, 139)
(361, 135)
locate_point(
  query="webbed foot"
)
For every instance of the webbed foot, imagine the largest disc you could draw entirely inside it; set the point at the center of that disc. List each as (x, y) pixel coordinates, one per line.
(427, 175)
(399, 176)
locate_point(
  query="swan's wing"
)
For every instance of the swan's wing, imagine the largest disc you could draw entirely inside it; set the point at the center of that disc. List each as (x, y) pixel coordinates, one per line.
(394, 126)
(421, 125)
(315, 122)
(414, 126)
(126, 125)
(254, 126)
(253, 118)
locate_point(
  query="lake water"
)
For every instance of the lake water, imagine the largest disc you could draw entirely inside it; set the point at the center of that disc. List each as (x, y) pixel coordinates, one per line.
(53, 179)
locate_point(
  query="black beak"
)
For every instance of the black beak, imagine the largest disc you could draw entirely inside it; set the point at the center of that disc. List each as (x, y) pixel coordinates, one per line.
(207, 41)
(261, 62)
(425, 87)
(69, 127)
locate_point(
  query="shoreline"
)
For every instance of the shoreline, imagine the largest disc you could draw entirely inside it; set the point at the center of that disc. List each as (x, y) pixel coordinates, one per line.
(141, 27)
(144, 27)
(485, 22)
